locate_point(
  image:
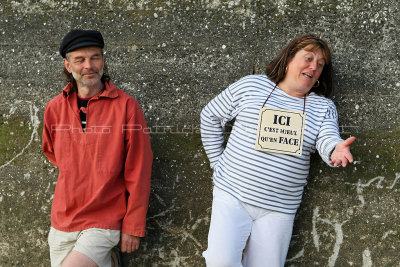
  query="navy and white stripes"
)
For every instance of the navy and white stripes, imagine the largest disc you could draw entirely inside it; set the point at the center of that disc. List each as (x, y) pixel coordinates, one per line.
(266, 180)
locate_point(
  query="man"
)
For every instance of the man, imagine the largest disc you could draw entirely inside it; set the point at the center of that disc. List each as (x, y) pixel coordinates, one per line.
(96, 136)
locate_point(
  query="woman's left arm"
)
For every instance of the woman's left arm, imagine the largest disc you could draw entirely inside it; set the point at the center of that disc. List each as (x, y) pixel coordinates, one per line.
(332, 148)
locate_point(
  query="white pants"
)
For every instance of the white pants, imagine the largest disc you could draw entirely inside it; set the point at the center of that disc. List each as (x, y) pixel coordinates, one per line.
(236, 227)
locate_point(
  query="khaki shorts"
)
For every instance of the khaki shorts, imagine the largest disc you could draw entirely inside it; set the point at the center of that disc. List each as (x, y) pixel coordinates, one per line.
(95, 243)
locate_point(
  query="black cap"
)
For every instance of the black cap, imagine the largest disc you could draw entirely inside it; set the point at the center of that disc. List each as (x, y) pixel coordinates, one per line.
(80, 38)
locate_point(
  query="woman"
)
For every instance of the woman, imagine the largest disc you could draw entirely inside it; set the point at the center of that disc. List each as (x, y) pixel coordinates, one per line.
(259, 177)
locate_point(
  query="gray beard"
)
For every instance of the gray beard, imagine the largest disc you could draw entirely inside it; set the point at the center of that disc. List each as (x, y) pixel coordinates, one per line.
(79, 79)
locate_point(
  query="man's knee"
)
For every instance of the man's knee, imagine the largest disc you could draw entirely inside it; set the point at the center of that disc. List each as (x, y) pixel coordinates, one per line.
(76, 259)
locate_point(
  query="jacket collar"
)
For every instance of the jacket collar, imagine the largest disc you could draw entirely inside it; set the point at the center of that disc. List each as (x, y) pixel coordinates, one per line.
(110, 91)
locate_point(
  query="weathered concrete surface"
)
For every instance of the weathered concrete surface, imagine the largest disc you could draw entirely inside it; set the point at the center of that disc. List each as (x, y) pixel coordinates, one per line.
(174, 56)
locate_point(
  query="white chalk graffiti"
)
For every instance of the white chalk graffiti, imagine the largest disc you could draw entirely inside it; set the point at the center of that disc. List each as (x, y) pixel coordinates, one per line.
(298, 255)
(185, 233)
(34, 122)
(367, 262)
(377, 182)
(339, 235)
(395, 181)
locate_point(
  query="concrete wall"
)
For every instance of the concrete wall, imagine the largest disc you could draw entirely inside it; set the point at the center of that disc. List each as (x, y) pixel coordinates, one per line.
(174, 56)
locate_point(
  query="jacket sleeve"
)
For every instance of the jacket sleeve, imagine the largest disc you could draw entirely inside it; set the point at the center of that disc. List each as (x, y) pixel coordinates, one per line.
(213, 119)
(328, 136)
(47, 141)
(137, 173)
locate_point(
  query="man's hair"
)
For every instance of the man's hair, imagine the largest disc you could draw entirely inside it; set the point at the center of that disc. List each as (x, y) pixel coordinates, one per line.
(276, 69)
(68, 78)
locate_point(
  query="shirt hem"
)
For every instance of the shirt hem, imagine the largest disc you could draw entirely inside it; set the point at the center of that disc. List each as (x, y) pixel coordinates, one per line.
(81, 228)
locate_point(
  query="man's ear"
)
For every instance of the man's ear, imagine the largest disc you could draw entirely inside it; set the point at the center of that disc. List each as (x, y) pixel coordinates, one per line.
(66, 64)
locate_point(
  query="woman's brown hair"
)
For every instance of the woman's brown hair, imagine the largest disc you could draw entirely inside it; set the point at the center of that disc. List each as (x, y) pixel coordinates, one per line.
(276, 69)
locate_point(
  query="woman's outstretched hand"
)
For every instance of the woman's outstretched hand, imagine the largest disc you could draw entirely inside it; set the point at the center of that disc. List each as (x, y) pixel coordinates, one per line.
(341, 155)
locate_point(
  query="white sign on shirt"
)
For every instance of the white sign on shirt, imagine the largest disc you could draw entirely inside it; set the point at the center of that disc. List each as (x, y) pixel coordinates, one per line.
(280, 131)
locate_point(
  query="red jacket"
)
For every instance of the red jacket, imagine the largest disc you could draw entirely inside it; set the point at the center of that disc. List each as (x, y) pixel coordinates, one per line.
(104, 172)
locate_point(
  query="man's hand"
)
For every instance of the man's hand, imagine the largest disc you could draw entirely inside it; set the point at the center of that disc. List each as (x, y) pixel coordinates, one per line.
(341, 154)
(129, 243)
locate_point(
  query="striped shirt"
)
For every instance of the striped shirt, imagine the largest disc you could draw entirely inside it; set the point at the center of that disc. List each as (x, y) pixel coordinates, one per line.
(264, 179)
